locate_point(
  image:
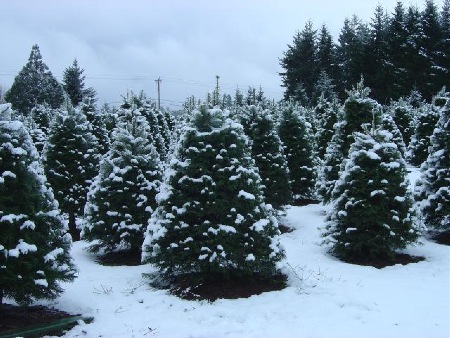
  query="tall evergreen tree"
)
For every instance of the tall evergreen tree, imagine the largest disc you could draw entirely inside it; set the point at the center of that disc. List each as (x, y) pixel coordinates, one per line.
(434, 186)
(73, 83)
(71, 162)
(397, 49)
(350, 52)
(376, 69)
(326, 53)
(297, 139)
(34, 243)
(415, 62)
(211, 221)
(299, 64)
(444, 47)
(430, 41)
(34, 85)
(122, 197)
(373, 215)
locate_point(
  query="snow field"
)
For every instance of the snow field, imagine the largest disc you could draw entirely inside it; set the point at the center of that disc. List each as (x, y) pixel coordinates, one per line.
(325, 297)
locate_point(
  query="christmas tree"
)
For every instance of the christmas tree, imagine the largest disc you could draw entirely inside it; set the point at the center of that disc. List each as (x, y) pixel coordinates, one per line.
(71, 163)
(34, 243)
(433, 189)
(122, 197)
(372, 215)
(298, 143)
(211, 221)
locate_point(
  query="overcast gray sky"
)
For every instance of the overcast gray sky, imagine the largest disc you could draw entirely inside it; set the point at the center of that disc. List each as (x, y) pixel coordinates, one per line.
(127, 44)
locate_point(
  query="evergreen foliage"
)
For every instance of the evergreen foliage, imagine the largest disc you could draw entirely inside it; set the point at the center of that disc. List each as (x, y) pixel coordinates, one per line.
(388, 124)
(211, 220)
(403, 114)
(434, 188)
(158, 129)
(394, 52)
(358, 110)
(426, 120)
(71, 162)
(299, 63)
(34, 243)
(295, 134)
(326, 115)
(267, 151)
(34, 85)
(38, 125)
(122, 197)
(97, 121)
(373, 215)
(73, 83)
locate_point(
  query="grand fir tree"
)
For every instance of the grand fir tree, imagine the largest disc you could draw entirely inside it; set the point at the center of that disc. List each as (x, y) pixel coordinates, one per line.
(211, 221)
(433, 190)
(122, 197)
(71, 162)
(297, 139)
(34, 243)
(359, 109)
(372, 215)
(267, 151)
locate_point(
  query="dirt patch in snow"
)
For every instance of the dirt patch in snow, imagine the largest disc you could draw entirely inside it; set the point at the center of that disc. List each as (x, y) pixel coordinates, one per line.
(120, 258)
(399, 258)
(232, 287)
(442, 238)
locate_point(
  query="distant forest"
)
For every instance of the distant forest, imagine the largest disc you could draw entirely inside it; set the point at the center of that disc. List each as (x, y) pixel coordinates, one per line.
(408, 49)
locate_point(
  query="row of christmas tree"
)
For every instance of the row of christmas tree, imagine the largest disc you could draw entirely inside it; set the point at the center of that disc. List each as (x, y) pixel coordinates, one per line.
(202, 198)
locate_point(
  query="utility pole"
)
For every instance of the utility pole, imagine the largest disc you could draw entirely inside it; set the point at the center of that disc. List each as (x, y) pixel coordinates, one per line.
(159, 92)
(216, 98)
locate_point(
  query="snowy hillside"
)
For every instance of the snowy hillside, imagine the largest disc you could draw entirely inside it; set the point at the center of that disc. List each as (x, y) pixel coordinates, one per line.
(325, 297)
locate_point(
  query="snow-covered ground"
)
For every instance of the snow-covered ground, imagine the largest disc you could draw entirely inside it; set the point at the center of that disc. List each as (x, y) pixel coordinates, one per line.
(325, 297)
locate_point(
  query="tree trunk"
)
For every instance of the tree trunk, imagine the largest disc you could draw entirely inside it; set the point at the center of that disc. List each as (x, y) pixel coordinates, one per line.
(74, 232)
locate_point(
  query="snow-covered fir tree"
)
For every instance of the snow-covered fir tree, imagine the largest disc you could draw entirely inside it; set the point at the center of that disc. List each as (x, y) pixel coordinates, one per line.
(425, 122)
(34, 243)
(372, 215)
(148, 109)
(212, 221)
(298, 141)
(403, 114)
(38, 124)
(358, 110)
(71, 162)
(388, 123)
(122, 197)
(326, 115)
(34, 84)
(97, 121)
(433, 188)
(268, 153)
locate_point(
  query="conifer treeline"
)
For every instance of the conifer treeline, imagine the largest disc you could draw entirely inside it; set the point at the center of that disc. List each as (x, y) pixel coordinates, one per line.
(395, 53)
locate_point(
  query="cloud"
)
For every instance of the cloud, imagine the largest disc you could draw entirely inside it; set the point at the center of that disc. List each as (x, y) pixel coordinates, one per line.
(126, 45)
